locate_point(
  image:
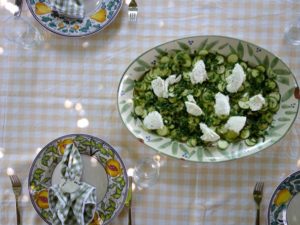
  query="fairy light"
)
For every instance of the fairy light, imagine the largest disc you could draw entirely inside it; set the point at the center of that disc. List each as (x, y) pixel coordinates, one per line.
(10, 171)
(83, 123)
(78, 106)
(68, 104)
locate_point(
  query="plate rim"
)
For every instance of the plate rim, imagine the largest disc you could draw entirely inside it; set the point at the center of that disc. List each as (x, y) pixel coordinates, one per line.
(71, 35)
(85, 135)
(274, 194)
(247, 154)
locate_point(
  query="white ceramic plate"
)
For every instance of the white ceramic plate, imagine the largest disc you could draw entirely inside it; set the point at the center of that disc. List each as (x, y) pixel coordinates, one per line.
(285, 202)
(249, 52)
(102, 168)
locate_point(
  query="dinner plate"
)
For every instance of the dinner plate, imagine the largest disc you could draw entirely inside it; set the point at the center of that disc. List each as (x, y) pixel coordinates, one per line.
(246, 51)
(102, 168)
(285, 202)
(99, 14)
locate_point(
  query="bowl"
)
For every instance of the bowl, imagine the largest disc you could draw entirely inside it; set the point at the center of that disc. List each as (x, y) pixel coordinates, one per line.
(253, 55)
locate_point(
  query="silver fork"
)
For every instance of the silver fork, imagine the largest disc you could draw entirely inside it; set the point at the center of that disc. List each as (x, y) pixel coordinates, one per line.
(132, 11)
(257, 195)
(17, 187)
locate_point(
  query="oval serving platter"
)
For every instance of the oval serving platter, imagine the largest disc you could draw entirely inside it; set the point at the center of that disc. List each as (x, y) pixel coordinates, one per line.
(99, 14)
(44, 168)
(246, 51)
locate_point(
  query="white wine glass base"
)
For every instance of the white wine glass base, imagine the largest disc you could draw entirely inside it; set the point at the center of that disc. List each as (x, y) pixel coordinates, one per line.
(19, 31)
(292, 34)
(146, 172)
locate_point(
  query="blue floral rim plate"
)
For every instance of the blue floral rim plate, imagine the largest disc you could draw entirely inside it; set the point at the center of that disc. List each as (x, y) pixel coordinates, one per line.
(284, 193)
(98, 16)
(43, 167)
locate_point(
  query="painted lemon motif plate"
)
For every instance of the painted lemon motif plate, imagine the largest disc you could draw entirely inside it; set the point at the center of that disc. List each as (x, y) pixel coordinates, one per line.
(99, 14)
(281, 205)
(251, 53)
(102, 168)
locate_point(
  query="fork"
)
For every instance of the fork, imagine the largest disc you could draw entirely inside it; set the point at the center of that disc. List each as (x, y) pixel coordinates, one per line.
(129, 199)
(132, 11)
(17, 187)
(257, 195)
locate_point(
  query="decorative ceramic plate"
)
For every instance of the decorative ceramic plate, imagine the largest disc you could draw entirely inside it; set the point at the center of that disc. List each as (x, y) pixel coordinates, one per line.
(99, 14)
(246, 51)
(97, 155)
(280, 205)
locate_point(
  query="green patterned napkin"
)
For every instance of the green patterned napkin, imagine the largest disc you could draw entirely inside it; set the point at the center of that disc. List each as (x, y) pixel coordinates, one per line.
(72, 202)
(69, 8)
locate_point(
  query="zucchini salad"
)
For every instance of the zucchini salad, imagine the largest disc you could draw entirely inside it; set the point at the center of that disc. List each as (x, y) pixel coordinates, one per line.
(206, 99)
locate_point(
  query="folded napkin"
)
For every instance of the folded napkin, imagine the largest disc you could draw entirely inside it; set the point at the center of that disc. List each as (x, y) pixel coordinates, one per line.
(69, 8)
(72, 202)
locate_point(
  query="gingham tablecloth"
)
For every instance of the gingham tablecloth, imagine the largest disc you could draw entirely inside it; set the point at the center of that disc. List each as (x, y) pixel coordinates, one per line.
(57, 88)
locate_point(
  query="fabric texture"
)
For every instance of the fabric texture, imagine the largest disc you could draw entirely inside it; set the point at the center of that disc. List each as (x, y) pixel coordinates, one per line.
(72, 207)
(69, 8)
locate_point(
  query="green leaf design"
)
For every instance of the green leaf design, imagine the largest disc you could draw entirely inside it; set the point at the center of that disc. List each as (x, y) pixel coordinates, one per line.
(223, 46)
(52, 149)
(143, 64)
(283, 80)
(165, 145)
(112, 203)
(250, 50)
(282, 72)
(183, 148)
(157, 139)
(240, 50)
(258, 60)
(233, 51)
(129, 87)
(45, 160)
(139, 69)
(288, 94)
(175, 148)
(110, 152)
(202, 44)
(277, 127)
(129, 81)
(45, 180)
(274, 62)
(266, 62)
(284, 119)
(200, 153)
(117, 194)
(285, 106)
(183, 46)
(46, 19)
(38, 174)
(129, 118)
(160, 51)
(290, 112)
(211, 45)
(125, 107)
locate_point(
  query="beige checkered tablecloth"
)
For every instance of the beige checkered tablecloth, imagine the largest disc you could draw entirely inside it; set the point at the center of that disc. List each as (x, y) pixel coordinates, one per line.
(45, 92)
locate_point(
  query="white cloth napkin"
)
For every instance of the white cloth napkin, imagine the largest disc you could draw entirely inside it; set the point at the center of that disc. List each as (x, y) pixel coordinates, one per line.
(69, 8)
(72, 202)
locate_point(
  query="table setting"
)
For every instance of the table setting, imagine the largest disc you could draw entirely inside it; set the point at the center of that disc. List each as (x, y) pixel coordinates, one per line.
(149, 112)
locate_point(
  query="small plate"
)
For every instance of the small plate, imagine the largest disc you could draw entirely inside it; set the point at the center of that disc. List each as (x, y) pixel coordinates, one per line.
(284, 201)
(102, 168)
(99, 14)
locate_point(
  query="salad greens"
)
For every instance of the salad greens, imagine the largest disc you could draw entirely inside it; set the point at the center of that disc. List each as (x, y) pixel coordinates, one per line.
(180, 125)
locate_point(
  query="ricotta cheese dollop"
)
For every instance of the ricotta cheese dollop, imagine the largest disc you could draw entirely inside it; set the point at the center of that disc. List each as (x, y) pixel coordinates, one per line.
(153, 121)
(236, 79)
(160, 86)
(192, 107)
(222, 106)
(198, 74)
(256, 102)
(236, 123)
(208, 134)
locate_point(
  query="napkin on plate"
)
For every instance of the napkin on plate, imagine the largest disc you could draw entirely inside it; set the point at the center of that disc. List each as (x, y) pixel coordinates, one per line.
(72, 202)
(70, 8)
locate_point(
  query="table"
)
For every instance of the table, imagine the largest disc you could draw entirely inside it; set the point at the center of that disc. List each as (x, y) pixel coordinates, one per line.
(70, 86)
